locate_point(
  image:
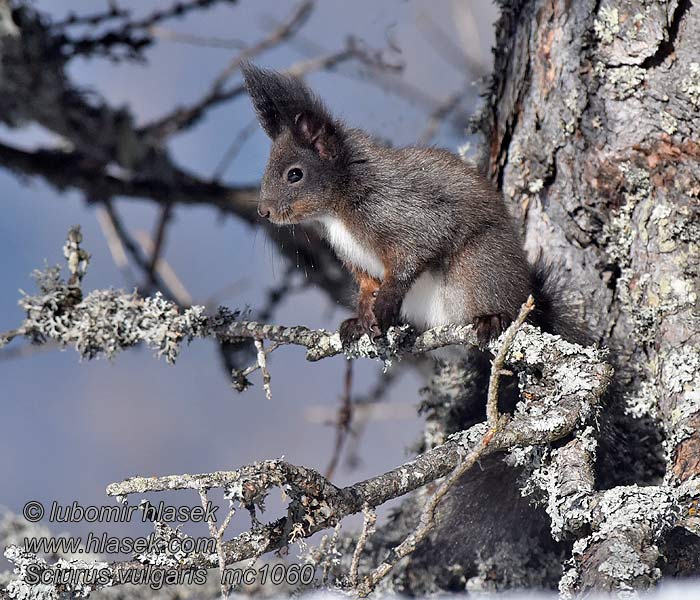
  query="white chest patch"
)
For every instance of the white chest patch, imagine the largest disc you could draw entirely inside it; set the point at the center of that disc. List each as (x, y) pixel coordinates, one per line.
(350, 249)
(427, 302)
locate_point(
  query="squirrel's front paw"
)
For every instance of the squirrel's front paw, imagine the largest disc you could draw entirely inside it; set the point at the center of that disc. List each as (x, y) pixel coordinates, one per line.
(353, 329)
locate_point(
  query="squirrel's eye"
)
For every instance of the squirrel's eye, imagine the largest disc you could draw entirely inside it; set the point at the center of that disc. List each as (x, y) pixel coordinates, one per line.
(294, 175)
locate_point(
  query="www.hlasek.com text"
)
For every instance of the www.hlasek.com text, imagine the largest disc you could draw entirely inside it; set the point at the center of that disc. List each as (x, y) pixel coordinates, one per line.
(107, 544)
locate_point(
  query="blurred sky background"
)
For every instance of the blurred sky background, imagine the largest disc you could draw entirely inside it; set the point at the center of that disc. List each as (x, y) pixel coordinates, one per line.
(70, 428)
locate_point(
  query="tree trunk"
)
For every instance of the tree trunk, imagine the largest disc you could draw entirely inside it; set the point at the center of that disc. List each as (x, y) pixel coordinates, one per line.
(591, 126)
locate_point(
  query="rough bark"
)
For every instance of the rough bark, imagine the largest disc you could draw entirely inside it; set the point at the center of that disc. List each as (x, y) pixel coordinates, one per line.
(591, 123)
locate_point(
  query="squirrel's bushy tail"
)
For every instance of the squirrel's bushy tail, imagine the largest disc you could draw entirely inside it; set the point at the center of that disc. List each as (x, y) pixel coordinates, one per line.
(555, 310)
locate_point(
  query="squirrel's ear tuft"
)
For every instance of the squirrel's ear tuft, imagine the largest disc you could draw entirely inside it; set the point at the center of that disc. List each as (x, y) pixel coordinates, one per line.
(265, 89)
(282, 101)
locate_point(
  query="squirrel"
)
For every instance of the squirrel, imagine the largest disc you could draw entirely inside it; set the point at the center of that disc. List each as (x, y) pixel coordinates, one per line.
(431, 242)
(427, 236)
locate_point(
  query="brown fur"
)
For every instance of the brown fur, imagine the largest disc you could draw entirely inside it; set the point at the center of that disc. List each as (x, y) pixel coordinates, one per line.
(426, 234)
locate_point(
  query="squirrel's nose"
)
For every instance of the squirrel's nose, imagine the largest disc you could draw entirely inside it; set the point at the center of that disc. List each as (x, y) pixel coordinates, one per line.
(264, 212)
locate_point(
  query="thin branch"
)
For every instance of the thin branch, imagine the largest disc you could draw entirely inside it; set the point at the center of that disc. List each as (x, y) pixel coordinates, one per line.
(165, 273)
(115, 224)
(218, 536)
(169, 35)
(132, 35)
(368, 528)
(73, 19)
(262, 363)
(343, 421)
(364, 409)
(163, 220)
(426, 523)
(234, 148)
(116, 248)
(438, 115)
(492, 415)
(8, 336)
(239, 377)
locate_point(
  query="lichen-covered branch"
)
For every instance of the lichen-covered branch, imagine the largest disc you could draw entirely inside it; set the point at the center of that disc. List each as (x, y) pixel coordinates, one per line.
(104, 322)
(561, 384)
(569, 384)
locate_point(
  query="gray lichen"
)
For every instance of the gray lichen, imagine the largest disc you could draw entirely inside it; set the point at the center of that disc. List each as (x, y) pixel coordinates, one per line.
(78, 578)
(625, 80)
(669, 123)
(607, 25)
(680, 375)
(165, 550)
(650, 297)
(690, 85)
(619, 236)
(644, 401)
(107, 321)
(628, 521)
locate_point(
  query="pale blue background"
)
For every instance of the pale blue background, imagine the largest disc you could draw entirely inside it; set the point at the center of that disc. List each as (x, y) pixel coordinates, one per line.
(70, 428)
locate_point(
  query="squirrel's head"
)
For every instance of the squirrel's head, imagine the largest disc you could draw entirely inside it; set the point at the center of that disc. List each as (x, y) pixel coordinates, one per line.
(306, 172)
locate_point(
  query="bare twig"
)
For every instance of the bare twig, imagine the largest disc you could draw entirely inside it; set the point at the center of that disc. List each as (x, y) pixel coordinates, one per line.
(287, 28)
(185, 117)
(262, 363)
(492, 414)
(426, 523)
(438, 115)
(76, 257)
(169, 35)
(8, 336)
(365, 409)
(240, 376)
(115, 225)
(133, 35)
(97, 18)
(234, 148)
(164, 272)
(163, 220)
(368, 528)
(218, 536)
(343, 421)
(114, 243)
